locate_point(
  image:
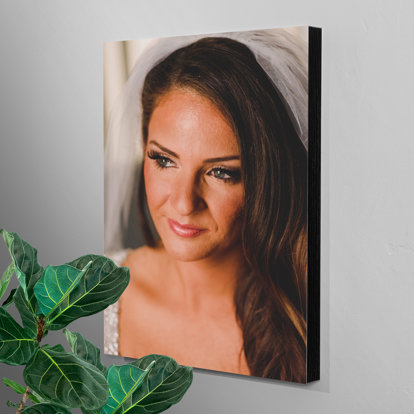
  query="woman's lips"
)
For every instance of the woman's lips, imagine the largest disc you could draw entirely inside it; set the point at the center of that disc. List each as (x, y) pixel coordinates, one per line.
(185, 230)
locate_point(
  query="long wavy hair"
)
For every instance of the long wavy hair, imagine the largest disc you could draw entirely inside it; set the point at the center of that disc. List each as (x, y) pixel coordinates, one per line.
(270, 299)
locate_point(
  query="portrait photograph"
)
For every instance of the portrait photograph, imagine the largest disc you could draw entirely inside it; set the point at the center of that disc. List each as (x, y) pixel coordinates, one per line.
(212, 186)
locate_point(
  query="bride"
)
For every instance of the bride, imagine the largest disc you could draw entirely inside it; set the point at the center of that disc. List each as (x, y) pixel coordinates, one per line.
(221, 281)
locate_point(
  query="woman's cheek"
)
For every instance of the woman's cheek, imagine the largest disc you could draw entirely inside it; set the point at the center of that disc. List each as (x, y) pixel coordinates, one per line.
(156, 186)
(228, 208)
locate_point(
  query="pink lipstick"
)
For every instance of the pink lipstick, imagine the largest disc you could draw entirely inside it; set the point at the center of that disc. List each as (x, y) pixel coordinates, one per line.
(185, 230)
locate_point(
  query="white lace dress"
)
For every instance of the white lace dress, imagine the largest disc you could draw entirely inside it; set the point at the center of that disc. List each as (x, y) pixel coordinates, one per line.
(111, 334)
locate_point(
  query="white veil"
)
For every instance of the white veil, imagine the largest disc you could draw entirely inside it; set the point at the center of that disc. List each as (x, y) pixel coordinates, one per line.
(283, 56)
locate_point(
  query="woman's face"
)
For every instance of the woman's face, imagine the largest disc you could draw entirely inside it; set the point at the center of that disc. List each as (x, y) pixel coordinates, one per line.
(192, 173)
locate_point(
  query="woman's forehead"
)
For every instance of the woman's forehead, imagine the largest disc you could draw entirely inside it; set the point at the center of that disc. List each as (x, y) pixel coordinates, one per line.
(188, 122)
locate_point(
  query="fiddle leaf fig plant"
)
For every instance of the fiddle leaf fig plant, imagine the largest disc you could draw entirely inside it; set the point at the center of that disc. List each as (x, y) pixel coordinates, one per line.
(57, 380)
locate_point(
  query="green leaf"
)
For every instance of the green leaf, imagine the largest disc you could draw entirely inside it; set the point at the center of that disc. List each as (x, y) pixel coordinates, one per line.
(5, 279)
(85, 349)
(20, 389)
(164, 385)
(55, 286)
(14, 385)
(35, 397)
(101, 286)
(16, 345)
(9, 300)
(66, 379)
(24, 257)
(12, 404)
(123, 381)
(29, 319)
(46, 408)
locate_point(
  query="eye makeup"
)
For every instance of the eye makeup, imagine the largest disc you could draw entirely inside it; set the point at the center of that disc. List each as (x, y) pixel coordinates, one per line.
(222, 173)
(160, 159)
(226, 174)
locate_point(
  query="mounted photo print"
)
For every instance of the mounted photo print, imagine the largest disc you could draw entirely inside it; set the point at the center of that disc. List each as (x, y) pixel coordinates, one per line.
(212, 199)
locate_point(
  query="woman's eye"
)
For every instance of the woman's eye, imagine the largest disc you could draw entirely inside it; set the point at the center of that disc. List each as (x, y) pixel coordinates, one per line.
(225, 175)
(160, 160)
(164, 162)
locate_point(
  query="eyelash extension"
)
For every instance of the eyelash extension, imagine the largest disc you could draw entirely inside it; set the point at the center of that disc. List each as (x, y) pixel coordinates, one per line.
(159, 158)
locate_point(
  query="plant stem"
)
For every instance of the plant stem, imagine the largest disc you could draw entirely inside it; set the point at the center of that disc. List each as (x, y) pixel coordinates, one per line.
(24, 399)
(40, 329)
(40, 332)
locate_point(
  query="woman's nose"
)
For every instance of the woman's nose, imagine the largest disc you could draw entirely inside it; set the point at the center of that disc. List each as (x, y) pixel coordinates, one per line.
(185, 196)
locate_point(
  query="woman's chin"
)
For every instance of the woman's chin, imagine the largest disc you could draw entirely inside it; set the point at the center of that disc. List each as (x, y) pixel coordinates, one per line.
(187, 250)
(187, 254)
(199, 248)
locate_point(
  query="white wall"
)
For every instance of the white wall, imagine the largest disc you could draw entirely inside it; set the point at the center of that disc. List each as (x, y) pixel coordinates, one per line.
(51, 175)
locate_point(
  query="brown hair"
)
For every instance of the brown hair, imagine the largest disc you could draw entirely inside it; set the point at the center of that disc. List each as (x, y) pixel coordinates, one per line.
(270, 299)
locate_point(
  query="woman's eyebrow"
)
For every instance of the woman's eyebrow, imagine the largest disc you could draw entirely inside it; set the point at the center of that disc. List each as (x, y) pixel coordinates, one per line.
(206, 161)
(161, 147)
(219, 159)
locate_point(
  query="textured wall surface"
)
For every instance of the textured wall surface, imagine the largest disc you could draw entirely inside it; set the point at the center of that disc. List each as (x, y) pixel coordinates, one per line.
(51, 176)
